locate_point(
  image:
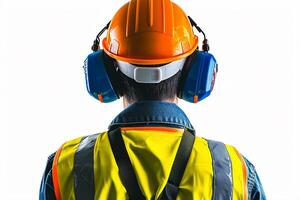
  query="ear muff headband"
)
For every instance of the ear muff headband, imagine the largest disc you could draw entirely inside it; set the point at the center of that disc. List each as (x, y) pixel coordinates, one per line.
(96, 43)
(205, 46)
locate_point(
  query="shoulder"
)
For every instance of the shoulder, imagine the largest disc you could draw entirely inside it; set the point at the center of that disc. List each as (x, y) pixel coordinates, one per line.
(228, 158)
(229, 167)
(217, 149)
(72, 157)
(224, 158)
(70, 147)
(79, 148)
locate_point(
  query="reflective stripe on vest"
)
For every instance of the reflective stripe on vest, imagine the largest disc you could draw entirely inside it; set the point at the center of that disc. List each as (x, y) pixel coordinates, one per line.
(152, 151)
(84, 169)
(222, 187)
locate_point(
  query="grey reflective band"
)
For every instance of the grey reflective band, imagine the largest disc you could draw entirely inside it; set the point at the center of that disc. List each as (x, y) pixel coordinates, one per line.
(222, 180)
(84, 169)
(150, 74)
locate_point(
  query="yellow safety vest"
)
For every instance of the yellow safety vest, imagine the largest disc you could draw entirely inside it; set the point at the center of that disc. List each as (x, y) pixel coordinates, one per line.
(214, 170)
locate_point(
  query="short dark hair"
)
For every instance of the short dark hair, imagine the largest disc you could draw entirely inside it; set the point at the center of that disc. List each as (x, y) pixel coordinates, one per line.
(134, 91)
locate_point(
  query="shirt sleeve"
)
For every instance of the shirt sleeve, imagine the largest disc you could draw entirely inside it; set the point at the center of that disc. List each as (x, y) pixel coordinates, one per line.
(46, 188)
(255, 189)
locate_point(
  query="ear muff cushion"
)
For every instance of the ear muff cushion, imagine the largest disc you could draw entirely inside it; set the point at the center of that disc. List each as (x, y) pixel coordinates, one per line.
(113, 73)
(199, 77)
(97, 80)
(184, 74)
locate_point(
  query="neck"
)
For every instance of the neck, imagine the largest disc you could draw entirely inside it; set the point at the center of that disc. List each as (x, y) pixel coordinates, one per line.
(126, 103)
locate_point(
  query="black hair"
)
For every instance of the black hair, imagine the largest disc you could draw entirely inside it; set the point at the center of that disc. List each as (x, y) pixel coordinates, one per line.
(134, 91)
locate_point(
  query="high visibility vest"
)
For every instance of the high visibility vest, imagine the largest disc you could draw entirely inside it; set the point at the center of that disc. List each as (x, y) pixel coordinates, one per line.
(214, 171)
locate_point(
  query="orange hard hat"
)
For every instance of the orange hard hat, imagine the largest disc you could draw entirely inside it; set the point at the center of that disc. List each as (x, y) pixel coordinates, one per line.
(149, 32)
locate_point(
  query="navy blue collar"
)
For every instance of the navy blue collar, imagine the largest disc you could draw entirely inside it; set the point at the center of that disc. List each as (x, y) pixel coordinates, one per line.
(152, 113)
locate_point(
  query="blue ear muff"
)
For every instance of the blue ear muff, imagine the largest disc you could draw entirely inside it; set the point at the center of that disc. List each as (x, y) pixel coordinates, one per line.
(97, 80)
(200, 77)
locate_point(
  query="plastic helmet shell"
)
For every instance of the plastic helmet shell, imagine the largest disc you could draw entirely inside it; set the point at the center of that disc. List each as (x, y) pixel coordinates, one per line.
(149, 32)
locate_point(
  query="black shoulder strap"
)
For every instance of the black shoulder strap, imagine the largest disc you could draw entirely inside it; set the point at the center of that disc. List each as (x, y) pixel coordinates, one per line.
(127, 174)
(181, 159)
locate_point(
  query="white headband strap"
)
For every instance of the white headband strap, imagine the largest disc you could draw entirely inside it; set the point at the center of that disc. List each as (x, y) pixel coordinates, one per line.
(150, 74)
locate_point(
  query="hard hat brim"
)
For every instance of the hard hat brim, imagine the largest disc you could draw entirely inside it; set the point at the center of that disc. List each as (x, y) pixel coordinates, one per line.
(148, 61)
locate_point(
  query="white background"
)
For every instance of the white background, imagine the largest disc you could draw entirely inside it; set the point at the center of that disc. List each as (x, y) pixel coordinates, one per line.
(44, 100)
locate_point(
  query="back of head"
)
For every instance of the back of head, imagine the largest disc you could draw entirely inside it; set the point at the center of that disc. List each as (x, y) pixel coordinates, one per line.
(150, 52)
(149, 33)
